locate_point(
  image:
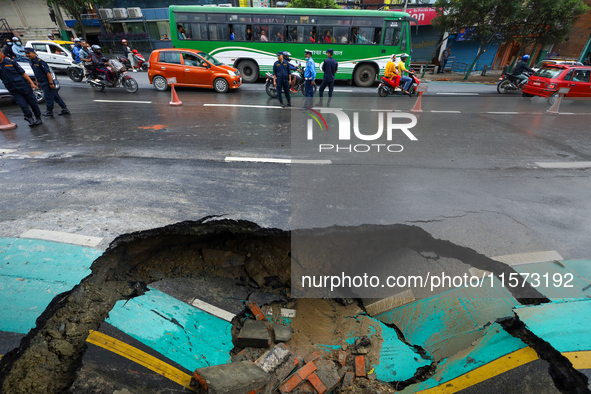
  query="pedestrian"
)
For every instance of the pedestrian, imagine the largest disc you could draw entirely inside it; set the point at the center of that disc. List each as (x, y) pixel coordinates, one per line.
(46, 82)
(129, 54)
(329, 68)
(7, 50)
(309, 76)
(281, 75)
(18, 49)
(76, 50)
(18, 83)
(443, 60)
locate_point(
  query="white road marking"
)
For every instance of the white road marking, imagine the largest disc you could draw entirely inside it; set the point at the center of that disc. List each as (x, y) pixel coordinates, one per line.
(503, 113)
(463, 94)
(343, 91)
(67, 238)
(278, 161)
(3, 151)
(242, 106)
(212, 310)
(386, 110)
(122, 101)
(529, 258)
(575, 164)
(446, 112)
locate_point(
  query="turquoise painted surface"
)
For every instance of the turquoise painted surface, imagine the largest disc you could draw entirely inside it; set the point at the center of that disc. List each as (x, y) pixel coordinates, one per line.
(579, 271)
(184, 334)
(565, 325)
(398, 361)
(495, 343)
(32, 272)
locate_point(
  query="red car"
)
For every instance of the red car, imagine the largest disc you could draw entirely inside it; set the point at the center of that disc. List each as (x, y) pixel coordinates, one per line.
(550, 78)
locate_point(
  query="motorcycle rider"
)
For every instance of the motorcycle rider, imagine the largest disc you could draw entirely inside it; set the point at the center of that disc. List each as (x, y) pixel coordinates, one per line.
(407, 81)
(129, 54)
(99, 62)
(7, 50)
(18, 49)
(50, 36)
(18, 83)
(520, 68)
(391, 72)
(281, 77)
(293, 77)
(76, 50)
(85, 57)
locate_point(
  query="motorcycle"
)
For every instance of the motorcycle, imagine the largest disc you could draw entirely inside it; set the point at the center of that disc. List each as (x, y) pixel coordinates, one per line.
(76, 72)
(508, 82)
(386, 87)
(119, 78)
(140, 60)
(299, 85)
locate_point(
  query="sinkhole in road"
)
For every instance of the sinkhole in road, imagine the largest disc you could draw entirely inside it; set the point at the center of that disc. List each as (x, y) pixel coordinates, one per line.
(257, 259)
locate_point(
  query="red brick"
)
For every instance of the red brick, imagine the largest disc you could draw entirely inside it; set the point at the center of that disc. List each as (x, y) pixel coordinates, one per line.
(317, 383)
(348, 379)
(312, 357)
(199, 379)
(291, 384)
(255, 311)
(360, 366)
(306, 370)
(342, 358)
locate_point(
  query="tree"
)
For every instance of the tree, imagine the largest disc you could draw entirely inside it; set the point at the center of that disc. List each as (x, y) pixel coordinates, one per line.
(526, 21)
(312, 4)
(76, 8)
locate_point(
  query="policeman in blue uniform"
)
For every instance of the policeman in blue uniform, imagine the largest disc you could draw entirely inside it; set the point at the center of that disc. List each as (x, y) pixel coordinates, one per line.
(309, 76)
(46, 82)
(281, 75)
(329, 67)
(21, 87)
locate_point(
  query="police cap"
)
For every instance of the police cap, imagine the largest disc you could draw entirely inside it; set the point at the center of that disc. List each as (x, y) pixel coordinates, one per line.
(280, 53)
(29, 50)
(330, 51)
(308, 51)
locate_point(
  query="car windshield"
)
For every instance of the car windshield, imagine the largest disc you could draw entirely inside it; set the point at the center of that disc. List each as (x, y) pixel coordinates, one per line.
(210, 59)
(548, 72)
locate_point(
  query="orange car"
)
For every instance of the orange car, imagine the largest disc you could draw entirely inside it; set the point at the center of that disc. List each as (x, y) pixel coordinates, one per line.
(191, 68)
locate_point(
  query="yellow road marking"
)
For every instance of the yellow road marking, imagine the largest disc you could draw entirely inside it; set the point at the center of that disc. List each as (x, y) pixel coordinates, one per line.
(494, 368)
(140, 357)
(579, 360)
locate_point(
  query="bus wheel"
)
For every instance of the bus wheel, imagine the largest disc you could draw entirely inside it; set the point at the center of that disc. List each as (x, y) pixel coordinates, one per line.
(249, 71)
(365, 76)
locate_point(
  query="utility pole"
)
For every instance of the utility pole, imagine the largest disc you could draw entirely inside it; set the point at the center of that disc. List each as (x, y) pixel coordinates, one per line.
(405, 4)
(60, 21)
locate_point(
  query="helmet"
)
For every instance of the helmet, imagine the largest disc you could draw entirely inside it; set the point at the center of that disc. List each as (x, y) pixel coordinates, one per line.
(404, 55)
(16, 39)
(49, 35)
(135, 51)
(124, 40)
(525, 57)
(96, 48)
(286, 54)
(77, 40)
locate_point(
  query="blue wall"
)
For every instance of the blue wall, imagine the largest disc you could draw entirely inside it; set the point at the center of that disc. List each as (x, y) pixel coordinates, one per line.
(466, 51)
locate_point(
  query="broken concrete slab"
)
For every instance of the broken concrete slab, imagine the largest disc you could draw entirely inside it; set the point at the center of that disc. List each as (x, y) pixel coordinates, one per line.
(272, 359)
(348, 379)
(576, 272)
(282, 333)
(234, 378)
(254, 333)
(327, 373)
(449, 322)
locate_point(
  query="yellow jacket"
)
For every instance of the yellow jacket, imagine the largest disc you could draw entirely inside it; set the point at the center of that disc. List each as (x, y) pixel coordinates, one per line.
(401, 67)
(391, 70)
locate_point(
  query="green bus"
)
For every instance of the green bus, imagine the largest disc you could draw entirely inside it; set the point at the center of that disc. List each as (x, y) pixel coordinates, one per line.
(249, 38)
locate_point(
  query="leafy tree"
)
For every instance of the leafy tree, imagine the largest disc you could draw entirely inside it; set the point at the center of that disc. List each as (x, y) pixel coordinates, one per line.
(527, 21)
(78, 7)
(312, 4)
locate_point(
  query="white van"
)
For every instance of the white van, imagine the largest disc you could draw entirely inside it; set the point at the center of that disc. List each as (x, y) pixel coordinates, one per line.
(57, 54)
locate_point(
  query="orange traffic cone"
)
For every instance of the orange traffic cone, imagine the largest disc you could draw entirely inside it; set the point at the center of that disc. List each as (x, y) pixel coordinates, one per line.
(554, 109)
(417, 107)
(5, 123)
(174, 98)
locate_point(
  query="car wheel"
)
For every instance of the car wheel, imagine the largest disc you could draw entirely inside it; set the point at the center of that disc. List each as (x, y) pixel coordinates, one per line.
(221, 85)
(39, 96)
(553, 99)
(249, 71)
(365, 76)
(160, 83)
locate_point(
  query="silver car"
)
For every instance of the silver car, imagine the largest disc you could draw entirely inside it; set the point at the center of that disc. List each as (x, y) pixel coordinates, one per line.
(4, 93)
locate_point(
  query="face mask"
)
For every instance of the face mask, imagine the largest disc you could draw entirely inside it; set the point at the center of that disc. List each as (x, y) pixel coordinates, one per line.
(10, 43)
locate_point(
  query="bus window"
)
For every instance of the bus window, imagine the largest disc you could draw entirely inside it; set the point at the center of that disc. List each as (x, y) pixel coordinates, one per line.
(363, 35)
(239, 32)
(326, 34)
(213, 32)
(196, 31)
(216, 17)
(277, 33)
(333, 21)
(223, 32)
(240, 18)
(375, 22)
(392, 36)
(309, 34)
(189, 17)
(341, 35)
(261, 33)
(268, 19)
(292, 34)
